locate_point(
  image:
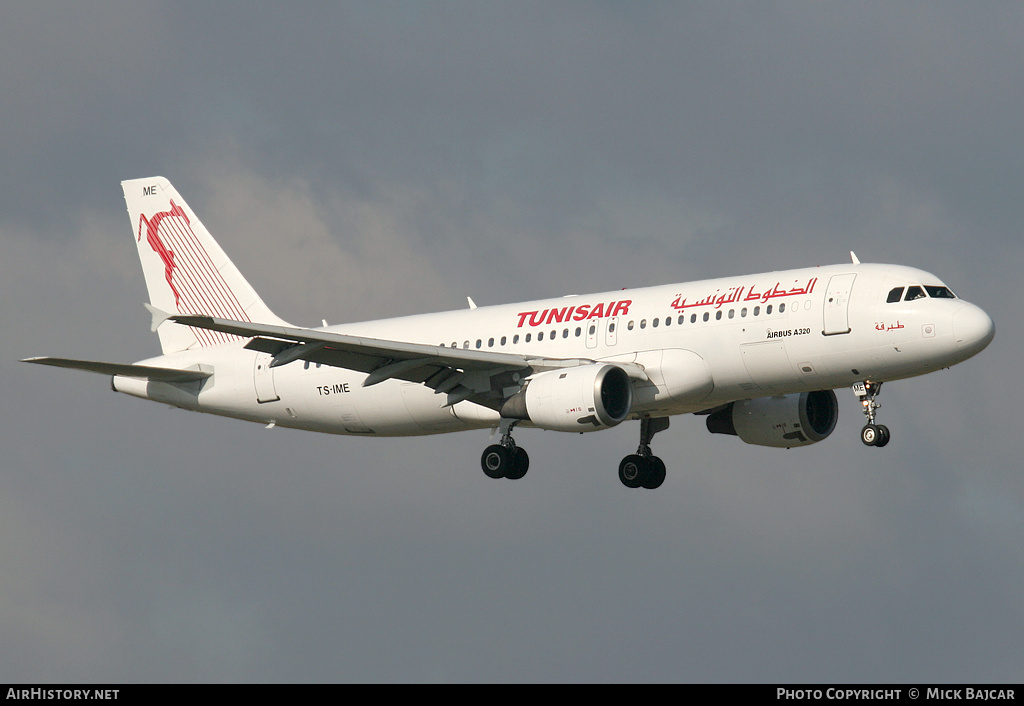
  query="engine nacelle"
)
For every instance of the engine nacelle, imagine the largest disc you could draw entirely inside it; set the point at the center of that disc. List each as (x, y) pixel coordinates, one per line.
(584, 398)
(799, 419)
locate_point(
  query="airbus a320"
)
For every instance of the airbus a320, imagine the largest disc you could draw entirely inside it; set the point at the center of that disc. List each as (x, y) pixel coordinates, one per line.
(759, 356)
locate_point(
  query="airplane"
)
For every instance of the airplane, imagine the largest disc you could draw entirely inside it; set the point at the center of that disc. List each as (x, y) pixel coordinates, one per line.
(759, 356)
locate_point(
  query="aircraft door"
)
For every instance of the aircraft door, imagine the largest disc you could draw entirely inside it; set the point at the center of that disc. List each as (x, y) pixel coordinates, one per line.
(263, 379)
(837, 304)
(612, 331)
(593, 332)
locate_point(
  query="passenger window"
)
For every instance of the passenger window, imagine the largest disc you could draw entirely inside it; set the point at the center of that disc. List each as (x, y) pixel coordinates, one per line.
(732, 313)
(503, 339)
(913, 293)
(693, 318)
(894, 295)
(579, 330)
(630, 326)
(782, 307)
(757, 311)
(768, 309)
(706, 316)
(743, 312)
(643, 323)
(565, 332)
(479, 343)
(540, 336)
(655, 322)
(528, 337)
(515, 339)
(668, 320)
(465, 344)
(718, 315)
(682, 319)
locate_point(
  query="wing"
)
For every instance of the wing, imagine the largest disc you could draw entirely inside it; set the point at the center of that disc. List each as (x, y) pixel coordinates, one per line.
(145, 372)
(484, 377)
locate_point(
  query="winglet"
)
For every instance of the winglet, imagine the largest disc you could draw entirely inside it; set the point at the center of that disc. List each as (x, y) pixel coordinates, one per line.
(853, 258)
(159, 316)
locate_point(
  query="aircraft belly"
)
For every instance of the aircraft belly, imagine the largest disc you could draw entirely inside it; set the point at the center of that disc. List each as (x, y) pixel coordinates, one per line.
(676, 377)
(331, 398)
(729, 371)
(324, 399)
(425, 410)
(768, 364)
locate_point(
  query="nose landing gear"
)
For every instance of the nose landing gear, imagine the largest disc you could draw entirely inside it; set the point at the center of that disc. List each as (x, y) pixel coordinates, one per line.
(872, 434)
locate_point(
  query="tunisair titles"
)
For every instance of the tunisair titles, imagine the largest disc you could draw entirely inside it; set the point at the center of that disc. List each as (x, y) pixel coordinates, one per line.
(717, 299)
(601, 310)
(579, 312)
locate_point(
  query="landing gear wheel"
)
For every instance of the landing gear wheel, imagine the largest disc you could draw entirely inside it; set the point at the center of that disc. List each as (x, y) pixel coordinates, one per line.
(655, 473)
(883, 436)
(520, 464)
(875, 435)
(496, 461)
(870, 435)
(632, 470)
(505, 459)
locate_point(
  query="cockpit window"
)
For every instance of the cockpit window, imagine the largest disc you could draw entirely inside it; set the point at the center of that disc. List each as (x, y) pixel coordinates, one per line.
(913, 293)
(895, 295)
(939, 292)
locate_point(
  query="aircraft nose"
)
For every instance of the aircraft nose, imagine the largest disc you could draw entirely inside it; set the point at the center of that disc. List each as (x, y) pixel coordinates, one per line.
(972, 328)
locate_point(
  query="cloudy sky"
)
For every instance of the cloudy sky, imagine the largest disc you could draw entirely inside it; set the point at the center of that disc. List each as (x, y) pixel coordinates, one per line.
(363, 160)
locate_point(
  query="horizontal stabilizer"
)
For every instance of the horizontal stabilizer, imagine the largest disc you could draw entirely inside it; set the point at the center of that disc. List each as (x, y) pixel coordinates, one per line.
(145, 372)
(159, 316)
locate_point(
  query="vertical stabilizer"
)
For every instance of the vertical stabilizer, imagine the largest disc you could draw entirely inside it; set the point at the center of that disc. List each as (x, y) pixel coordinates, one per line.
(186, 271)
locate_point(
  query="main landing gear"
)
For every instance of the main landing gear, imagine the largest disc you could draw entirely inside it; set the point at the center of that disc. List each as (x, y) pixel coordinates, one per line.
(872, 434)
(505, 459)
(640, 470)
(643, 469)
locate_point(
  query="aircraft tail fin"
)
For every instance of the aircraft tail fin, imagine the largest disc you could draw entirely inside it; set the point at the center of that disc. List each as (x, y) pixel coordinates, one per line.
(186, 271)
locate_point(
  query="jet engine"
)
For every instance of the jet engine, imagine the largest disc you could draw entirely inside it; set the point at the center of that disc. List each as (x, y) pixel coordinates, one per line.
(798, 419)
(584, 398)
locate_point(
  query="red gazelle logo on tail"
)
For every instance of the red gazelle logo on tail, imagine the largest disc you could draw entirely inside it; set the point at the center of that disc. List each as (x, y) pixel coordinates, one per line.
(153, 238)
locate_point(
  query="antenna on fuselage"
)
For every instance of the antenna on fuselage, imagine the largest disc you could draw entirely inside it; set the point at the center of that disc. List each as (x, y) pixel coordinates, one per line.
(853, 257)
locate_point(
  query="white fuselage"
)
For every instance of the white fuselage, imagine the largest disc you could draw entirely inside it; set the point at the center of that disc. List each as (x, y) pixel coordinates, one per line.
(751, 336)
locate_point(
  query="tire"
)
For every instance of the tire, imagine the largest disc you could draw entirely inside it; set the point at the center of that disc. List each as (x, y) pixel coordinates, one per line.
(520, 464)
(496, 461)
(883, 436)
(656, 473)
(632, 470)
(870, 435)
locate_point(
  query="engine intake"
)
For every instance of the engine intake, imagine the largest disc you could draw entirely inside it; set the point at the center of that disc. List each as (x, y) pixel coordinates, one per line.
(584, 398)
(785, 421)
